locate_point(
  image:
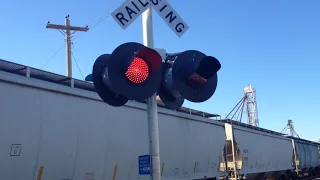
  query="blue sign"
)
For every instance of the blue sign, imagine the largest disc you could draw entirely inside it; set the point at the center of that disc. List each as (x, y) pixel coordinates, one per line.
(144, 164)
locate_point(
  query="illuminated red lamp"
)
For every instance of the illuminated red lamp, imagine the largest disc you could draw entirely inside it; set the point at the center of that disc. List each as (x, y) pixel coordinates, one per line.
(196, 81)
(138, 71)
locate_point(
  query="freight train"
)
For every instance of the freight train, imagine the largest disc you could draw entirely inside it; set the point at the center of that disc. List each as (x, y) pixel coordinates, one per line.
(54, 128)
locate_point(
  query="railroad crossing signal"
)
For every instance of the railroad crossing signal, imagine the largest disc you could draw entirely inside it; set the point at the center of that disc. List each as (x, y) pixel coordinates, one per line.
(131, 72)
(130, 10)
(173, 84)
(192, 76)
(135, 72)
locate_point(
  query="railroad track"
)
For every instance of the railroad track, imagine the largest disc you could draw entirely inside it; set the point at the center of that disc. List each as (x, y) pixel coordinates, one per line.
(312, 178)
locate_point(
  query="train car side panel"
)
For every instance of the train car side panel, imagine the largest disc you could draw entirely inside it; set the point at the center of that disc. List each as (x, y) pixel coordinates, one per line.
(314, 155)
(260, 152)
(197, 146)
(74, 135)
(71, 137)
(307, 154)
(106, 137)
(20, 132)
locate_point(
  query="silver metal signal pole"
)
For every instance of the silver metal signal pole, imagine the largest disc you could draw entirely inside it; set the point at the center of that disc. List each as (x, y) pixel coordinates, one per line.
(152, 110)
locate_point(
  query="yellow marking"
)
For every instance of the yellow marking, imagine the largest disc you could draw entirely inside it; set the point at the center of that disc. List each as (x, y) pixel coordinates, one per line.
(162, 169)
(115, 171)
(40, 173)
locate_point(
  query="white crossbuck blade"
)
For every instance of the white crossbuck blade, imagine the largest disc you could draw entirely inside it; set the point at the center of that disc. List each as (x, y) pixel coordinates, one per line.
(130, 10)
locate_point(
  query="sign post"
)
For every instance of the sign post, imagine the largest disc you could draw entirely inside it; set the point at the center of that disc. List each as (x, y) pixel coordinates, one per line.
(153, 129)
(124, 15)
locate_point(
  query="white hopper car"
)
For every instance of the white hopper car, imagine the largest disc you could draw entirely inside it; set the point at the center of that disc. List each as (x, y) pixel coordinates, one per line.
(54, 128)
(257, 153)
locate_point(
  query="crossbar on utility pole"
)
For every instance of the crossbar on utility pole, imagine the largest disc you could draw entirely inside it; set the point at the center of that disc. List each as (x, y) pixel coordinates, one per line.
(65, 29)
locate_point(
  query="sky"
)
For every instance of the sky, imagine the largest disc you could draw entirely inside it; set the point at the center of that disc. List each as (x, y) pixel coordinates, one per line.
(274, 45)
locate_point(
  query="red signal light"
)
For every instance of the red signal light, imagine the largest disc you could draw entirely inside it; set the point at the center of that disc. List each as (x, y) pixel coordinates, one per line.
(196, 81)
(138, 71)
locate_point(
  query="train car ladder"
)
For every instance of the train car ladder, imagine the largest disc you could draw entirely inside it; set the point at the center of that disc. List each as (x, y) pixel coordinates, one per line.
(230, 144)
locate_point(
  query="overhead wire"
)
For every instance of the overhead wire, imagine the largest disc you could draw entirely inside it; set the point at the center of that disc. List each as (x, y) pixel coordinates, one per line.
(82, 34)
(53, 56)
(75, 60)
(102, 17)
(91, 22)
(99, 21)
(63, 33)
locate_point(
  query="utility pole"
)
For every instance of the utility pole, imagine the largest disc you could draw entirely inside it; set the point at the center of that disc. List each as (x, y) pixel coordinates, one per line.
(66, 30)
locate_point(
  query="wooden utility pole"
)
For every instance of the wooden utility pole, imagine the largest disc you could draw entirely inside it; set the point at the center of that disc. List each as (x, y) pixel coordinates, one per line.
(66, 30)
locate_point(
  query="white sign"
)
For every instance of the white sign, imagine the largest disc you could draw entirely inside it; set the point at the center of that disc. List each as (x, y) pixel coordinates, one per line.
(131, 9)
(15, 150)
(170, 16)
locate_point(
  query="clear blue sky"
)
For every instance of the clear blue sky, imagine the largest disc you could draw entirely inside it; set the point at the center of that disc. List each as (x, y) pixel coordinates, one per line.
(274, 45)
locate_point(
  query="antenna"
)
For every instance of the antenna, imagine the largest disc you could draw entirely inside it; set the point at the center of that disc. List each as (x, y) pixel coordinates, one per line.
(65, 30)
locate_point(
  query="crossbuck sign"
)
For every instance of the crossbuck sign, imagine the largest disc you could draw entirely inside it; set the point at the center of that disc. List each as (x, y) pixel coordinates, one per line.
(130, 10)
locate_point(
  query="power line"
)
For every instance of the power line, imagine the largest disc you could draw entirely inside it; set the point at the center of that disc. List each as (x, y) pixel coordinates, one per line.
(77, 65)
(53, 56)
(63, 33)
(94, 25)
(88, 26)
(103, 17)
